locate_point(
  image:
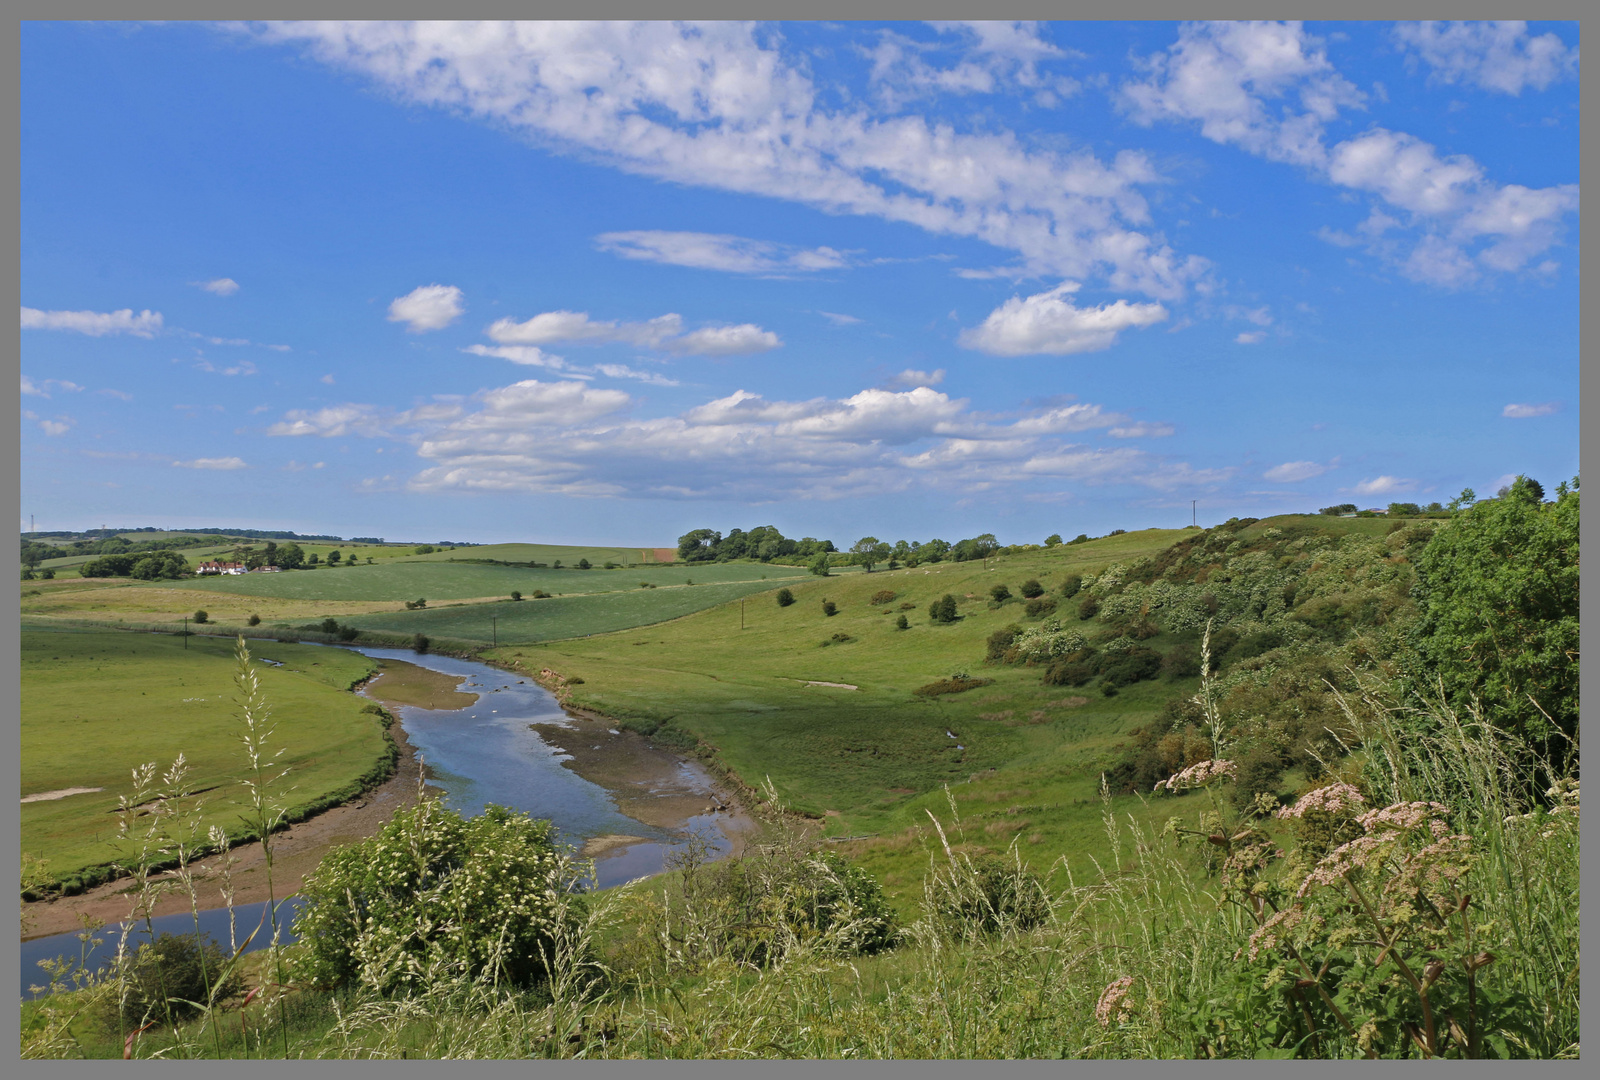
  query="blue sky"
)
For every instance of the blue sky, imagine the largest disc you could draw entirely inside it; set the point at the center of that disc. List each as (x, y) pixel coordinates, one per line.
(603, 282)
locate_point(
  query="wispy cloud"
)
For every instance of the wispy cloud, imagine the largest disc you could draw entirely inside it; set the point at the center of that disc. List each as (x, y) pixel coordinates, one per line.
(1292, 472)
(664, 333)
(911, 378)
(222, 286)
(1527, 412)
(1384, 485)
(224, 464)
(1498, 56)
(94, 323)
(720, 251)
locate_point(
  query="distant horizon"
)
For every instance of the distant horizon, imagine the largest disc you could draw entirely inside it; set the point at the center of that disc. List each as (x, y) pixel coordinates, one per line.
(931, 279)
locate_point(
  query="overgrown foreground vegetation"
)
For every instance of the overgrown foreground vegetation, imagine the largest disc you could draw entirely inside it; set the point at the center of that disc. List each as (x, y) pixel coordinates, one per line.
(1426, 908)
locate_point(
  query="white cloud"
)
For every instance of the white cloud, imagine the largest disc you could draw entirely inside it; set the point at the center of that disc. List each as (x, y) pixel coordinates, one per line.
(59, 426)
(839, 320)
(719, 105)
(94, 323)
(664, 333)
(225, 464)
(998, 57)
(328, 378)
(720, 251)
(1498, 56)
(530, 355)
(623, 371)
(1292, 472)
(427, 307)
(571, 438)
(43, 387)
(1526, 412)
(243, 367)
(1142, 430)
(1251, 337)
(576, 328)
(222, 286)
(1049, 323)
(1236, 80)
(1384, 485)
(330, 422)
(911, 378)
(122, 395)
(746, 339)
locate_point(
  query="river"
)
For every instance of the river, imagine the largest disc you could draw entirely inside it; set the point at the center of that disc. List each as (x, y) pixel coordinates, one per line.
(632, 803)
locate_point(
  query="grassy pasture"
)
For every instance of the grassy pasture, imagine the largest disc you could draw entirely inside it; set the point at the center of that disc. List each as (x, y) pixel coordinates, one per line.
(569, 554)
(571, 616)
(435, 579)
(97, 704)
(875, 758)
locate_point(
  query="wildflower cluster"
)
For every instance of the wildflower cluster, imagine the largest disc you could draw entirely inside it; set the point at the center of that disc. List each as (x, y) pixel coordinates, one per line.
(1199, 775)
(1113, 1003)
(1333, 798)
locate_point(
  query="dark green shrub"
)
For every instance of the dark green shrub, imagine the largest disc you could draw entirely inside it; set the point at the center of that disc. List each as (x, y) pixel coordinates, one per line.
(254, 620)
(1067, 672)
(200, 616)
(330, 626)
(1260, 773)
(998, 894)
(1089, 608)
(1134, 665)
(943, 610)
(785, 597)
(348, 633)
(172, 974)
(884, 596)
(955, 684)
(1081, 538)
(999, 594)
(583, 564)
(1181, 661)
(829, 608)
(419, 642)
(1031, 588)
(1039, 605)
(1000, 641)
(901, 623)
(1070, 585)
(1108, 688)
(515, 595)
(540, 594)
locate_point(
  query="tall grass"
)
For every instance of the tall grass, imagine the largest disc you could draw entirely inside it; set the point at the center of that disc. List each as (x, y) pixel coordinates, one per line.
(1163, 952)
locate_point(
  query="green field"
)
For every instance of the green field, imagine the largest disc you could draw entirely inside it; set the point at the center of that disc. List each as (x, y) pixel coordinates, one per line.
(97, 704)
(878, 756)
(574, 616)
(439, 579)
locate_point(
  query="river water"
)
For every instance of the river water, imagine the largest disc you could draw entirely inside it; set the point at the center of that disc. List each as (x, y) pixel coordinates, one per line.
(490, 752)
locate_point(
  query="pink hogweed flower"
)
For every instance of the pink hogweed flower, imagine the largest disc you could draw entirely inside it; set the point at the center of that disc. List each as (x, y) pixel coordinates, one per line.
(1198, 775)
(1411, 815)
(1362, 853)
(1332, 799)
(1113, 1000)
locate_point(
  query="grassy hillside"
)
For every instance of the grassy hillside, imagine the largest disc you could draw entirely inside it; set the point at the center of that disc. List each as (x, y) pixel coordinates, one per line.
(96, 705)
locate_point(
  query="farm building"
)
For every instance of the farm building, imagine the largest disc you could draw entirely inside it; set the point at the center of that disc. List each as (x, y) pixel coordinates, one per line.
(216, 567)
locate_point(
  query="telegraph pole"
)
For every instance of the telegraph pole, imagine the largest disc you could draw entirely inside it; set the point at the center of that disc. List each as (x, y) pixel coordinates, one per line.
(741, 614)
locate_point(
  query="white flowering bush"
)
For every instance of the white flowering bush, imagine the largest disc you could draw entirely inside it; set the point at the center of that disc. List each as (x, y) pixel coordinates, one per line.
(435, 897)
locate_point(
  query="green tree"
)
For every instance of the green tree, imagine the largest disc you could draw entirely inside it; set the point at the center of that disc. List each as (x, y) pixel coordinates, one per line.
(819, 564)
(334, 556)
(1497, 589)
(999, 594)
(1031, 588)
(515, 595)
(785, 597)
(943, 610)
(699, 545)
(583, 564)
(421, 549)
(869, 551)
(290, 557)
(1053, 540)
